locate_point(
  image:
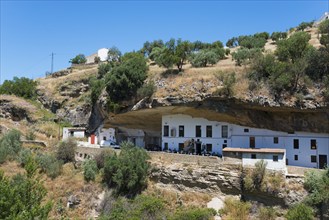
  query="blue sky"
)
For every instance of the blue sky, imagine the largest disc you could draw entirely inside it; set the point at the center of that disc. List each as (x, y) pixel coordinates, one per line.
(32, 30)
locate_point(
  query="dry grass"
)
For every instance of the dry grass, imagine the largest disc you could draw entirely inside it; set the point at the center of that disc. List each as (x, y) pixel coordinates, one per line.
(174, 198)
(70, 182)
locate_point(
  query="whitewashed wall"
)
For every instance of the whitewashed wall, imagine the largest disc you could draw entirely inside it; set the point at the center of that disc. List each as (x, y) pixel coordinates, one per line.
(76, 133)
(268, 157)
(109, 134)
(237, 137)
(103, 54)
(174, 121)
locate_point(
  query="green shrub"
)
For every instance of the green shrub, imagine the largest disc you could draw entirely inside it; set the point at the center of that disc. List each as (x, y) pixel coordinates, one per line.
(49, 165)
(267, 213)
(101, 157)
(10, 145)
(228, 82)
(146, 90)
(123, 80)
(235, 209)
(96, 87)
(126, 175)
(23, 156)
(259, 173)
(300, 212)
(207, 56)
(22, 197)
(90, 170)
(78, 59)
(194, 213)
(22, 87)
(103, 69)
(244, 55)
(66, 150)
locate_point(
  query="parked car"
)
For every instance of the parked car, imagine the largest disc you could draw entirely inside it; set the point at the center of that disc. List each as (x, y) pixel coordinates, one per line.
(109, 143)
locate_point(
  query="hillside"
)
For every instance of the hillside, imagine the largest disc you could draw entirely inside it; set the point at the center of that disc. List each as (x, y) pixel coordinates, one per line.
(67, 93)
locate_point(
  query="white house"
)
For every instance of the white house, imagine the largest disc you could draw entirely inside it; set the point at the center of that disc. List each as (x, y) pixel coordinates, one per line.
(103, 54)
(275, 158)
(135, 136)
(74, 132)
(302, 148)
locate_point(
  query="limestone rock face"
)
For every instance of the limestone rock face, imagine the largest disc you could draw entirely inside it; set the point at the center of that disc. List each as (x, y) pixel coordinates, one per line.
(221, 180)
(148, 115)
(16, 109)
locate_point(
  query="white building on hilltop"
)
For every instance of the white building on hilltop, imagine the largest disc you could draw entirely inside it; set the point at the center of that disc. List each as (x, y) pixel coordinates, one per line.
(199, 135)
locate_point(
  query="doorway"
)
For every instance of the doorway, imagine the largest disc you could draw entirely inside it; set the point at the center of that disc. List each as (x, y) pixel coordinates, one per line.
(252, 142)
(198, 148)
(322, 161)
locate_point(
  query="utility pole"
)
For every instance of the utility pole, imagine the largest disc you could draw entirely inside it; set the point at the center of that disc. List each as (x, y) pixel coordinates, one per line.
(52, 62)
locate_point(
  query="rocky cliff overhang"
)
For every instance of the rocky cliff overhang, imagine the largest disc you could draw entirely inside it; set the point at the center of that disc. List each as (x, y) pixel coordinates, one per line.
(147, 115)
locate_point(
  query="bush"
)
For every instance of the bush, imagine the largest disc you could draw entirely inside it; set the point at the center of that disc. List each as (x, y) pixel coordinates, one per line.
(123, 80)
(235, 209)
(90, 170)
(126, 175)
(258, 173)
(267, 213)
(228, 83)
(194, 213)
(22, 197)
(146, 90)
(23, 156)
(10, 145)
(103, 69)
(207, 56)
(78, 59)
(22, 87)
(300, 212)
(141, 207)
(101, 157)
(66, 150)
(244, 56)
(49, 165)
(96, 87)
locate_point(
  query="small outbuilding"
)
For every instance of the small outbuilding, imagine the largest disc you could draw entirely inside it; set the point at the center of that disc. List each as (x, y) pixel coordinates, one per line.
(74, 132)
(275, 158)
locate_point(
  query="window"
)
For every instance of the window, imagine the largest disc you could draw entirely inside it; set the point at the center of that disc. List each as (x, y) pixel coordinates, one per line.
(225, 141)
(252, 142)
(313, 159)
(224, 131)
(275, 158)
(296, 144)
(181, 131)
(180, 147)
(253, 156)
(165, 131)
(275, 140)
(173, 132)
(246, 130)
(296, 157)
(209, 131)
(209, 147)
(313, 144)
(198, 131)
(104, 138)
(224, 145)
